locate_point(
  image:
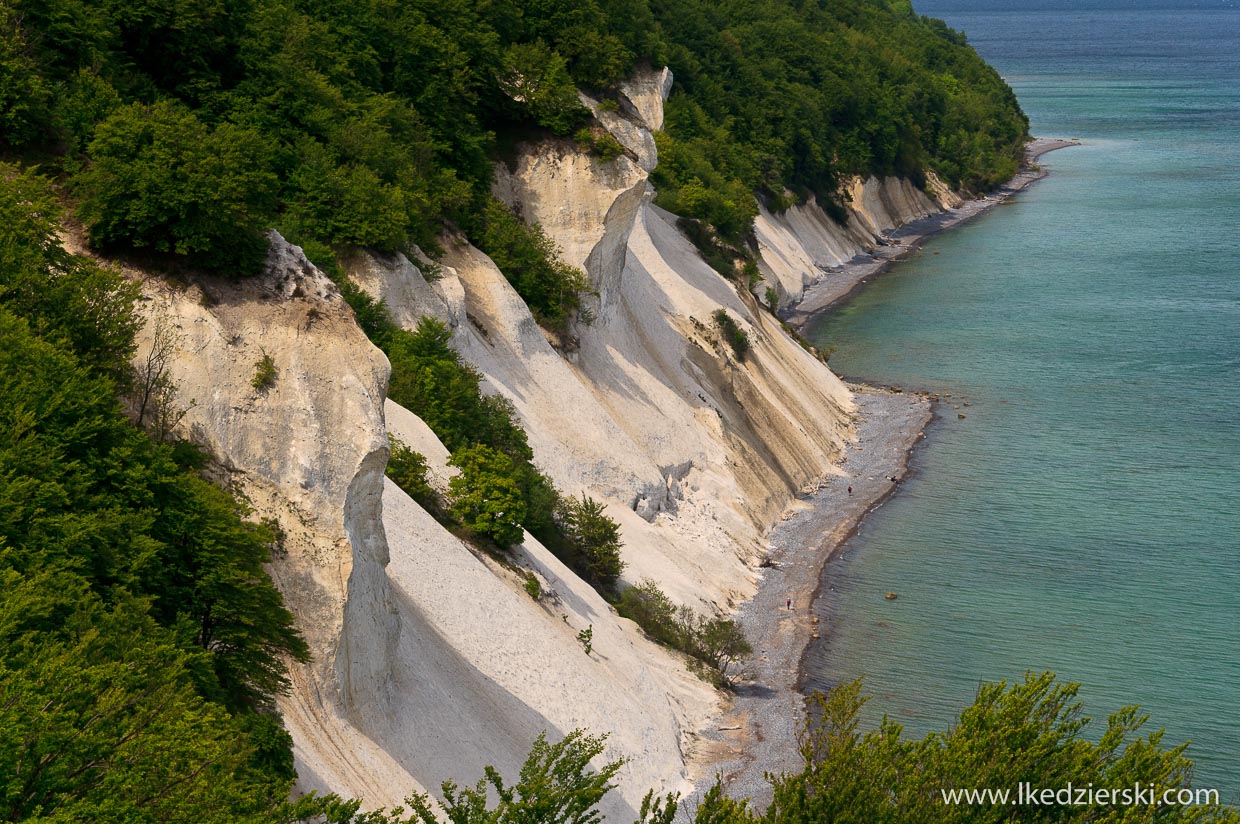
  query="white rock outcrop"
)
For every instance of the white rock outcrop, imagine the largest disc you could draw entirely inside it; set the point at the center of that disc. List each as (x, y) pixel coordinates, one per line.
(798, 245)
(308, 450)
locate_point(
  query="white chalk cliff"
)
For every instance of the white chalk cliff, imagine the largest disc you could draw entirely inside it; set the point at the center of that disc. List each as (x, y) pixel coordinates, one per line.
(430, 660)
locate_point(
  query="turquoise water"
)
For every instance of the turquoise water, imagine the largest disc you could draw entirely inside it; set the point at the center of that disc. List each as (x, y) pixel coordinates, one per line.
(1085, 516)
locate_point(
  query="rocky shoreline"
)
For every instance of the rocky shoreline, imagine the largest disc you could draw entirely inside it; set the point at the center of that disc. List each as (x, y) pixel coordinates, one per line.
(758, 733)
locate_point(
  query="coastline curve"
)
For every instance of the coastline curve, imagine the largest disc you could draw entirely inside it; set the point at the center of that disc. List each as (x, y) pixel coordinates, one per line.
(757, 734)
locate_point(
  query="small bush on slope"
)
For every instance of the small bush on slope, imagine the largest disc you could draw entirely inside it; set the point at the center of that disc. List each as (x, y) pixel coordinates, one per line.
(430, 380)
(714, 644)
(732, 333)
(408, 469)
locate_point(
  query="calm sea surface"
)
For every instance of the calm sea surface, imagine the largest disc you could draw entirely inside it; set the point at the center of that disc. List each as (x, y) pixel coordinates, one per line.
(1085, 516)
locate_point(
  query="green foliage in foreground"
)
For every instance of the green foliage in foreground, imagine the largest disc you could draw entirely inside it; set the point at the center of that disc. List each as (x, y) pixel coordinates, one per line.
(1032, 731)
(556, 785)
(141, 642)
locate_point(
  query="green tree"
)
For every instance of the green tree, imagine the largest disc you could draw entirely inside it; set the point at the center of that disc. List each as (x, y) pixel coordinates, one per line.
(408, 469)
(210, 583)
(160, 178)
(141, 641)
(537, 77)
(485, 496)
(720, 643)
(556, 786)
(596, 538)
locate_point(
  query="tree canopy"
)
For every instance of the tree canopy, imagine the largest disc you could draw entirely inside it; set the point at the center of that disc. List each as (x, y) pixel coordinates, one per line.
(192, 128)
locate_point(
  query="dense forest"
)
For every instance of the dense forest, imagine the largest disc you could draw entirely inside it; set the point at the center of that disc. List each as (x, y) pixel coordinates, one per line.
(188, 127)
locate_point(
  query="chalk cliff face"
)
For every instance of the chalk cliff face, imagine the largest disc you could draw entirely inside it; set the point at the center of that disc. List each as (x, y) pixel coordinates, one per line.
(430, 660)
(798, 245)
(309, 450)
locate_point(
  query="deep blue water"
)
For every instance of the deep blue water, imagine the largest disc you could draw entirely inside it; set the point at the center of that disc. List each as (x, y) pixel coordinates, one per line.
(1085, 516)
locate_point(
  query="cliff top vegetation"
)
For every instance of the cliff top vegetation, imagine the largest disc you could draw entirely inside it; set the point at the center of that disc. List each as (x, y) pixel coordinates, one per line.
(188, 128)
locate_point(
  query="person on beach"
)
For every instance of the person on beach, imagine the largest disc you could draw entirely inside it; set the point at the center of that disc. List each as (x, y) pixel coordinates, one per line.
(789, 603)
(850, 490)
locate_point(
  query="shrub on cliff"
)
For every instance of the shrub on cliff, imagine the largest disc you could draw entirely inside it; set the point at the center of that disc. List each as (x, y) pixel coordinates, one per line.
(732, 333)
(720, 644)
(408, 469)
(485, 496)
(430, 379)
(160, 178)
(713, 643)
(531, 263)
(595, 539)
(651, 609)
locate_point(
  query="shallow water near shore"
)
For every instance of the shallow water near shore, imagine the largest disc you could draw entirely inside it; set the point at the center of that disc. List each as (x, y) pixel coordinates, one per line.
(1084, 515)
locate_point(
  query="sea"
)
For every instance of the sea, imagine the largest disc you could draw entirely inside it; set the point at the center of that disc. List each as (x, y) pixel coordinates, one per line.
(1075, 507)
